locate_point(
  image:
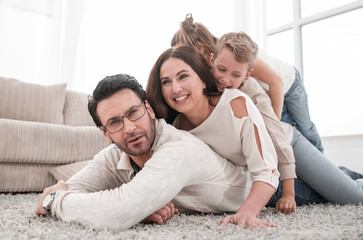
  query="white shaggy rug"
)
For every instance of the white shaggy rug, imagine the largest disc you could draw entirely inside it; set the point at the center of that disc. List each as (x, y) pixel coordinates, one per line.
(328, 221)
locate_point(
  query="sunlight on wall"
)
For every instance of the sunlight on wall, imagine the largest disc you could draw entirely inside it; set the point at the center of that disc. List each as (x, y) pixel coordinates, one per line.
(26, 44)
(39, 41)
(128, 37)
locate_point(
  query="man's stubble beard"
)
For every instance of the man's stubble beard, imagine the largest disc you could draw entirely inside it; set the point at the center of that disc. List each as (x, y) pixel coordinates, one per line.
(146, 146)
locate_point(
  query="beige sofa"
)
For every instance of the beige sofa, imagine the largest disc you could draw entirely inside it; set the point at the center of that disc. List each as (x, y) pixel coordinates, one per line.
(42, 127)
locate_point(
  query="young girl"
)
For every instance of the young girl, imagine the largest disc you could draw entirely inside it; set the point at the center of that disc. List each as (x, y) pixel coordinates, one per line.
(282, 81)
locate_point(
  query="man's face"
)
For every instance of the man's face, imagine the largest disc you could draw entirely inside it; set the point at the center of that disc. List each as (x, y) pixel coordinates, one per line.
(135, 138)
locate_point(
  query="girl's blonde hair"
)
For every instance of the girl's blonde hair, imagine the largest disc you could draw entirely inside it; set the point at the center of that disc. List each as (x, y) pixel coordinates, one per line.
(190, 33)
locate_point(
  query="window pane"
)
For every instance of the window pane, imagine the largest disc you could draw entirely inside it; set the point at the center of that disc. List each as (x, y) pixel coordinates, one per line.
(281, 46)
(333, 73)
(311, 7)
(278, 12)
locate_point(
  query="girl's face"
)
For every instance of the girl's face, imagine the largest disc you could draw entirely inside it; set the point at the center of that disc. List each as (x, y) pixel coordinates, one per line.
(181, 87)
(227, 71)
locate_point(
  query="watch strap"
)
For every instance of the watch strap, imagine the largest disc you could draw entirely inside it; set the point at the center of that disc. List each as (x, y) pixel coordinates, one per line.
(49, 204)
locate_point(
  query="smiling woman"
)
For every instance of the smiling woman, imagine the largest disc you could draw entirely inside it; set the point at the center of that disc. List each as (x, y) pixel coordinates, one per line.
(228, 122)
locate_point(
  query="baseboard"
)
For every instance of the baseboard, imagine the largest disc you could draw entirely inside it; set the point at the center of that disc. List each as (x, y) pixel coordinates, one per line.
(345, 151)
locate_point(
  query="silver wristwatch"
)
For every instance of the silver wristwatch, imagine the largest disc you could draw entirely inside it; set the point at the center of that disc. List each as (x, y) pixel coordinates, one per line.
(47, 202)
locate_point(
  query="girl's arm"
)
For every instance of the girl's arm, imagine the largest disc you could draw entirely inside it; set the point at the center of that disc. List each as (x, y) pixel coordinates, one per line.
(286, 204)
(263, 72)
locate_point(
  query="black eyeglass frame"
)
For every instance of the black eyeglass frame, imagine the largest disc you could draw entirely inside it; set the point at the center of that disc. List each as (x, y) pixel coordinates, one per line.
(125, 116)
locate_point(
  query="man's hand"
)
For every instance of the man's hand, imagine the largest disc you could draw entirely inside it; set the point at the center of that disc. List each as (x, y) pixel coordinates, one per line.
(162, 215)
(59, 186)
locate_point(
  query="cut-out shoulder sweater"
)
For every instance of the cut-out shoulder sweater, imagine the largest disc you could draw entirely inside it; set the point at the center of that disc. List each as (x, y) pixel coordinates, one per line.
(234, 138)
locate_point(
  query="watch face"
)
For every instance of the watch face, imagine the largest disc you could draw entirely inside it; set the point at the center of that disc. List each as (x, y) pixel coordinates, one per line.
(46, 200)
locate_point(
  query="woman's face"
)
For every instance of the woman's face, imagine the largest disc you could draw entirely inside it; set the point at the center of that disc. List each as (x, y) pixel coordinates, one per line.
(181, 86)
(227, 71)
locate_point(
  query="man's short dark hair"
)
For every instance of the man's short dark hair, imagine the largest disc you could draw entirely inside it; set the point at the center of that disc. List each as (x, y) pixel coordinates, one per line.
(109, 86)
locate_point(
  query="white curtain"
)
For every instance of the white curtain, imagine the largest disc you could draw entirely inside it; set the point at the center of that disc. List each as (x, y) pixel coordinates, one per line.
(70, 26)
(250, 17)
(39, 39)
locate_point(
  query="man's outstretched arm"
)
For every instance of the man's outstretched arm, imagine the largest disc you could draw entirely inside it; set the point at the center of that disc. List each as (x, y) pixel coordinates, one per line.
(153, 188)
(159, 217)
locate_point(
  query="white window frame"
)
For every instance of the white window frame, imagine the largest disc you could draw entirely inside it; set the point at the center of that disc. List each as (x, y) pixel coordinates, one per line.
(298, 22)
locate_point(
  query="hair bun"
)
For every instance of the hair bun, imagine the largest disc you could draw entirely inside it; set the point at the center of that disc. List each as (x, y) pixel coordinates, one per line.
(188, 24)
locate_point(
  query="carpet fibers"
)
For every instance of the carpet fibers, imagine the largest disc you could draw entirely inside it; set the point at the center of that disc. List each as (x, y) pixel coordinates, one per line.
(327, 221)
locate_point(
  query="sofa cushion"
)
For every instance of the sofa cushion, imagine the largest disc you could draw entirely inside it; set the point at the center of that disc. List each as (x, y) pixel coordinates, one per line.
(31, 102)
(65, 172)
(36, 142)
(76, 110)
(18, 177)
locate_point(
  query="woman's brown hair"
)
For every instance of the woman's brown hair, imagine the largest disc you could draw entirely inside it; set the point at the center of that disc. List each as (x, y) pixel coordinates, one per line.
(191, 57)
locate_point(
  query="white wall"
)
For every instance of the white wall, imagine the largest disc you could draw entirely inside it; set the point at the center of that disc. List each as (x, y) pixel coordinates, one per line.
(82, 41)
(345, 151)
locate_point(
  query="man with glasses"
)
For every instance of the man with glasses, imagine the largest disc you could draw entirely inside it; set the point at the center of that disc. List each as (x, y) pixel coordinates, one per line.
(148, 164)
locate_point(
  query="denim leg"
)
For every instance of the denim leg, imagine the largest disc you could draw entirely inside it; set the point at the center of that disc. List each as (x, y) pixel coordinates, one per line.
(322, 175)
(285, 117)
(304, 195)
(353, 175)
(297, 109)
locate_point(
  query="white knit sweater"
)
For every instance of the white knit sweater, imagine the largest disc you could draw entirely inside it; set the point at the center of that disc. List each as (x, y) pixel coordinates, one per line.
(182, 169)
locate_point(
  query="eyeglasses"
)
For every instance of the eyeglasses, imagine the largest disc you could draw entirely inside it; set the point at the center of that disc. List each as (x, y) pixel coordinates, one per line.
(134, 114)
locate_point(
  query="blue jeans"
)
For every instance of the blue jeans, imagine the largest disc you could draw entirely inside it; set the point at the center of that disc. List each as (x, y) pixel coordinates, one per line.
(296, 112)
(304, 195)
(340, 186)
(319, 180)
